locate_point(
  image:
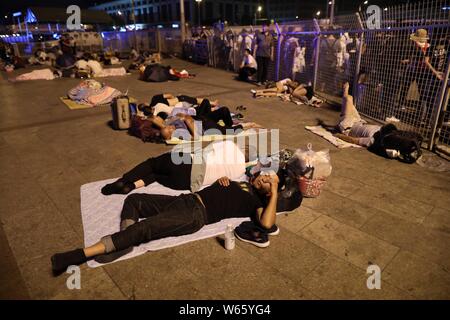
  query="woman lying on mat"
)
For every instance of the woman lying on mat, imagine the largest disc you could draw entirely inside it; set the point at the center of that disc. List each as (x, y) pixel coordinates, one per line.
(220, 158)
(147, 217)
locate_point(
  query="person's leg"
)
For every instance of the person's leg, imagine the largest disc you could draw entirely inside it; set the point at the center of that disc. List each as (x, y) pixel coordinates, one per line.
(158, 98)
(221, 114)
(164, 216)
(349, 115)
(265, 68)
(209, 124)
(188, 99)
(260, 70)
(143, 174)
(179, 177)
(204, 108)
(167, 216)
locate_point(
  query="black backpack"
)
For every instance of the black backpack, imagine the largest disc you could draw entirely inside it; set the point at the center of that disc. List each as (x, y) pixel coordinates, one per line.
(407, 143)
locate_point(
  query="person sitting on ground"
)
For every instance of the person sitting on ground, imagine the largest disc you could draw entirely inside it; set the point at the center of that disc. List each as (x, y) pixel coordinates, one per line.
(147, 217)
(248, 66)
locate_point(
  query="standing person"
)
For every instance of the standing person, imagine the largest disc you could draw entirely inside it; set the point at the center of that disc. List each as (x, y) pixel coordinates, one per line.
(248, 66)
(422, 71)
(264, 52)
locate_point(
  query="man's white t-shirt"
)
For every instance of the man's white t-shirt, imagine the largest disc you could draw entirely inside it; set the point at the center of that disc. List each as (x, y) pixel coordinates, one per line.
(250, 62)
(223, 159)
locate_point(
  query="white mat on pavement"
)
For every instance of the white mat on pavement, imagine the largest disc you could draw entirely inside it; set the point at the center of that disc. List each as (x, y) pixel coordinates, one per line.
(101, 216)
(322, 132)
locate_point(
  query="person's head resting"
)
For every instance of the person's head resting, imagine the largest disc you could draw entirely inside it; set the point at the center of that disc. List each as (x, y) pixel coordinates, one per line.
(247, 52)
(261, 183)
(167, 132)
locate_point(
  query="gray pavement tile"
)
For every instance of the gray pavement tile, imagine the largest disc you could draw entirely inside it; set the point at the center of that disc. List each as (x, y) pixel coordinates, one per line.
(350, 244)
(337, 279)
(421, 241)
(418, 276)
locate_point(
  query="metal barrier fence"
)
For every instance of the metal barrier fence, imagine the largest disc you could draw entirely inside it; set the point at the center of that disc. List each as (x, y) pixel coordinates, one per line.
(124, 41)
(388, 72)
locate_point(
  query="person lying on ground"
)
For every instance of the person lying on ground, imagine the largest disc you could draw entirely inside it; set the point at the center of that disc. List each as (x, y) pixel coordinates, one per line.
(282, 86)
(185, 106)
(220, 158)
(171, 100)
(385, 140)
(351, 128)
(302, 92)
(206, 117)
(248, 66)
(147, 217)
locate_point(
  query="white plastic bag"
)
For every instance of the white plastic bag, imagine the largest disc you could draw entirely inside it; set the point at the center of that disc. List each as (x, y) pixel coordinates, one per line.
(312, 164)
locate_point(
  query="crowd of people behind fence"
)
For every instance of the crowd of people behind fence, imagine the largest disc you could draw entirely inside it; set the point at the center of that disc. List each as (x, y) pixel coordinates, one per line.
(416, 56)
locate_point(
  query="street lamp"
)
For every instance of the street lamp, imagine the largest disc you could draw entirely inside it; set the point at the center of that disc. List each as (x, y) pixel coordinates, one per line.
(318, 13)
(258, 10)
(198, 8)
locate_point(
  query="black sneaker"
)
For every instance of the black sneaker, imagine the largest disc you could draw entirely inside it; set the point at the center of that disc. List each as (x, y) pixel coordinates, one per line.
(274, 231)
(251, 234)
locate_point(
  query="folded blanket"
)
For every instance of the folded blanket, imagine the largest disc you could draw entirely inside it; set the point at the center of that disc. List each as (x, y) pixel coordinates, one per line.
(322, 132)
(92, 92)
(44, 74)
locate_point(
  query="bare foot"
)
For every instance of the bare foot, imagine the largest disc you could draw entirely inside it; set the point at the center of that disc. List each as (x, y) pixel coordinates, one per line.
(251, 125)
(346, 88)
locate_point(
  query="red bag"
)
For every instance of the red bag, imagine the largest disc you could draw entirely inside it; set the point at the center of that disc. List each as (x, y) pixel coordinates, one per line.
(143, 128)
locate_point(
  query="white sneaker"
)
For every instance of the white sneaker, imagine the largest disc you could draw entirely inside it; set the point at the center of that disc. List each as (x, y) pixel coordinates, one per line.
(253, 91)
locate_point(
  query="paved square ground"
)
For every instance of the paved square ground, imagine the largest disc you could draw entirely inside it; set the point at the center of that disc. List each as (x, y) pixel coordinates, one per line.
(373, 210)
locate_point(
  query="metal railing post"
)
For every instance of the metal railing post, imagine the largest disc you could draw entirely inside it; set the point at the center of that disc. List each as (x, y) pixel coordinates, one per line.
(277, 64)
(440, 103)
(358, 58)
(316, 56)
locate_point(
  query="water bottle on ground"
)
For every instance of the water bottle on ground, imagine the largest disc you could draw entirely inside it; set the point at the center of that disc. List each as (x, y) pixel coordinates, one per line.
(229, 238)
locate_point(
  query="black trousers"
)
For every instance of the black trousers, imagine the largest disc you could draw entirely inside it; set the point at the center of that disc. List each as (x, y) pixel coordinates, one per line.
(210, 118)
(263, 68)
(164, 216)
(246, 72)
(159, 98)
(162, 170)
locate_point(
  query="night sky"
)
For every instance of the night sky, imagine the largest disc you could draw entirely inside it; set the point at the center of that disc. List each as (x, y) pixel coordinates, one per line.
(7, 6)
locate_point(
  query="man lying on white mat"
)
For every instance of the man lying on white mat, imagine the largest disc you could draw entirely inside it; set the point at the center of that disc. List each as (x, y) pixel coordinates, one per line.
(168, 216)
(219, 159)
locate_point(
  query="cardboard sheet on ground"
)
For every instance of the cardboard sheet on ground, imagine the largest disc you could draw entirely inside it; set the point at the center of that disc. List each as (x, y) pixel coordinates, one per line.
(101, 216)
(322, 132)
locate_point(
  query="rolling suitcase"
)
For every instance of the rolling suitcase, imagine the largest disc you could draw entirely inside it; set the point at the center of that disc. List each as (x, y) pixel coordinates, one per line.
(120, 108)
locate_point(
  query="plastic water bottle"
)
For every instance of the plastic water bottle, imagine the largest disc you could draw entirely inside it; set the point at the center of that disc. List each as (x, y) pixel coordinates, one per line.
(229, 237)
